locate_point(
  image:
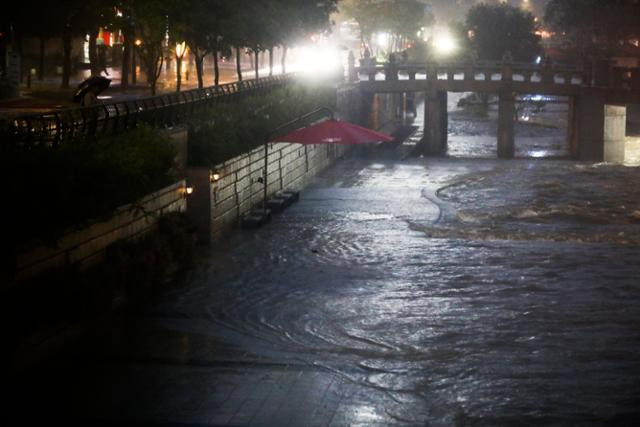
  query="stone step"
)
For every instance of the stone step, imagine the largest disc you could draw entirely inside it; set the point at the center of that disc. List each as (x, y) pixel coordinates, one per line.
(256, 219)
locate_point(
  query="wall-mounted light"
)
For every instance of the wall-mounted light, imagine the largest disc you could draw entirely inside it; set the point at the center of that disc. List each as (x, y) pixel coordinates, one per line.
(187, 191)
(215, 176)
(138, 42)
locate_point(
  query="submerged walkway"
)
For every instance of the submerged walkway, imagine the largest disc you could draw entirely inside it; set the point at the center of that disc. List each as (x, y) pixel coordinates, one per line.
(418, 292)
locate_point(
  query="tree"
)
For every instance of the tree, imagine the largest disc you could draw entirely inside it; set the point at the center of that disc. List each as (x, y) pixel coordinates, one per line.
(200, 25)
(593, 24)
(261, 35)
(17, 22)
(149, 19)
(237, 28)
(63, 21)
(93, 14)
(497, 29)
(300, 18)
(401, 19)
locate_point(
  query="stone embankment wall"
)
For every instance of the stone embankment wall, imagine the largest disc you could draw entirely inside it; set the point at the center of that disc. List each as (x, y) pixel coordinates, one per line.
(219, 205)
(86, 247)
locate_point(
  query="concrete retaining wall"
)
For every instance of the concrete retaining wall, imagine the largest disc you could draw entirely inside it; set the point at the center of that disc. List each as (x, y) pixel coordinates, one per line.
(216, 207)
(86, 247)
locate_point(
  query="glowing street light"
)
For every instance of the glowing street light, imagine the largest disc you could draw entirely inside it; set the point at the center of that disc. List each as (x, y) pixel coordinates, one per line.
(382, 39)
(444, 44)
(181, 49)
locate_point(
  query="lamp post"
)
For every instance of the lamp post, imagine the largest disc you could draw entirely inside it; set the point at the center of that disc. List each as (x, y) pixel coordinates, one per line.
(181, 49)
(134, 66)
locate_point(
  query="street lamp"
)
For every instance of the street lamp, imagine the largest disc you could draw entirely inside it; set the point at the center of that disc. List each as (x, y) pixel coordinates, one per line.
(181, 49)
(134, 67)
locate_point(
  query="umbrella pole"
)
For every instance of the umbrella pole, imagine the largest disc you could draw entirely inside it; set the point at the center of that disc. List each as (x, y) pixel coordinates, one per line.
(264, 178)
(266, 148)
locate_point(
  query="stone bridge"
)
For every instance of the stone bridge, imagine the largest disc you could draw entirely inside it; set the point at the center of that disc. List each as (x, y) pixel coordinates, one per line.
(598, 94)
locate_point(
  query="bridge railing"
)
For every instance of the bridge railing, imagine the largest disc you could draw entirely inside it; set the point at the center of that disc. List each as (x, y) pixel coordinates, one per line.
(163, 110)
(477, 71)
(600, 74)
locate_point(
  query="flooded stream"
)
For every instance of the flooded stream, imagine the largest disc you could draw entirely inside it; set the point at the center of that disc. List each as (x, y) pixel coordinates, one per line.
(399, 292)
(439, 286)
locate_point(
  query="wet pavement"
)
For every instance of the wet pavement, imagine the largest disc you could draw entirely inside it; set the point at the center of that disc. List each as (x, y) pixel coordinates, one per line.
(46, 95)
(443, 292)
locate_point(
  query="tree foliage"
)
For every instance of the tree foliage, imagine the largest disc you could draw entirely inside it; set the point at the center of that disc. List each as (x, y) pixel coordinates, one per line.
(591, 22)
(209, 27)
(402, 19)
(495, 30)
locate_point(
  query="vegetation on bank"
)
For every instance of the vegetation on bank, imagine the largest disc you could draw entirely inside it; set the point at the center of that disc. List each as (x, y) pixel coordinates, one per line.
(54, 189)
(231, 129)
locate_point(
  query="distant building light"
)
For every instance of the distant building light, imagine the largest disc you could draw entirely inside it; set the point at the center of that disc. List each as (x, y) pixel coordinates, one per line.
(543, 34)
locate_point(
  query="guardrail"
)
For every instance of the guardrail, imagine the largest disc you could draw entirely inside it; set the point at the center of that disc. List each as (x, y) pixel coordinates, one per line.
(164, 110)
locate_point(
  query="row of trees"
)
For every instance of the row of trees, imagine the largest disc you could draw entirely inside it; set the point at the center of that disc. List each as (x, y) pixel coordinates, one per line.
(208, 27)
(487, 32)
(490, 29)
(594, 25)
(401, 19)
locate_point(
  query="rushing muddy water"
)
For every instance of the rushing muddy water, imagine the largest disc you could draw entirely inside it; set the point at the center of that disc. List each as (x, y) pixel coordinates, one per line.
(437, 291)
(479, 306)
(455, 291)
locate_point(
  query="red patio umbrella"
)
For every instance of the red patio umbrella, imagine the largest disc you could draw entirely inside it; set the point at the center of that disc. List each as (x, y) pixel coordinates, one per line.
(333, 131)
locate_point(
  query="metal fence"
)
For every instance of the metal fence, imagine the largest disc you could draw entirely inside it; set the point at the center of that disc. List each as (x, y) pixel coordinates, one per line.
(164, 110)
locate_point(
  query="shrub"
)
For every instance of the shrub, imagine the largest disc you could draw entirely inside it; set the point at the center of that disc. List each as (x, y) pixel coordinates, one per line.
(229, 130)
(53, 189)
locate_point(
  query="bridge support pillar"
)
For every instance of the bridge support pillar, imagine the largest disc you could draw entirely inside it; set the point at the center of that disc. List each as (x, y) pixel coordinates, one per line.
(436, 122)
(615, 127)
(589, 125)
(506, 116)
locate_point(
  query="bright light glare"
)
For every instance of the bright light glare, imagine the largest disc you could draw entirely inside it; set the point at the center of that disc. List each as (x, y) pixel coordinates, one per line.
(445, 44)
(315, 60)
(537, 154)
(382, 39)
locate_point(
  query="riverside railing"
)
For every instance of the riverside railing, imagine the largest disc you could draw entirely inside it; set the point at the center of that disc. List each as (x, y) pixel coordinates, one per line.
(166, 110)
